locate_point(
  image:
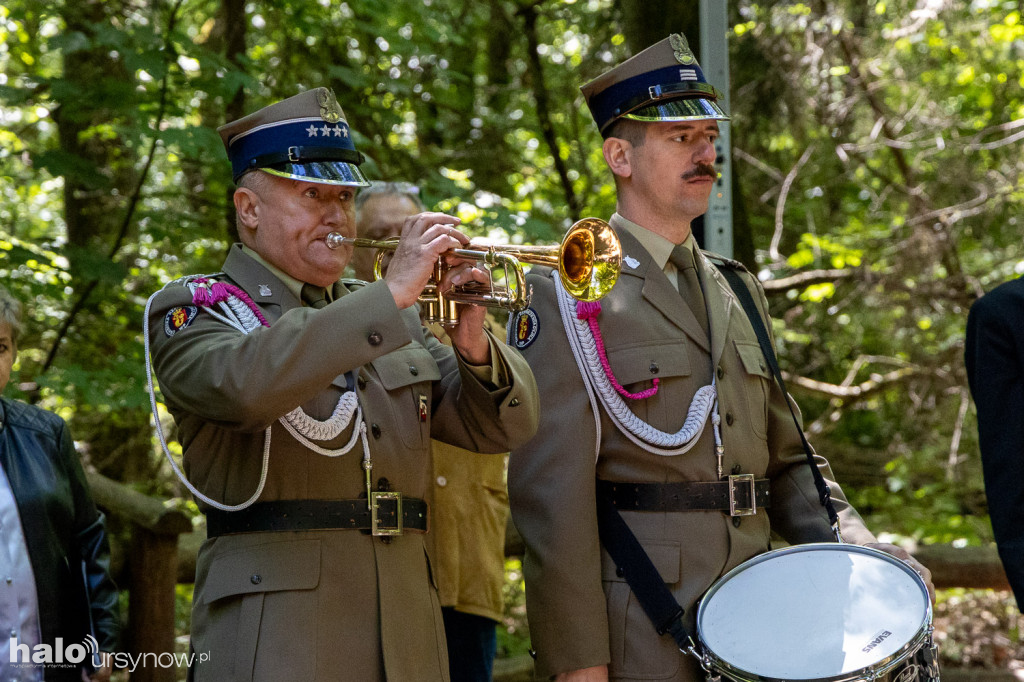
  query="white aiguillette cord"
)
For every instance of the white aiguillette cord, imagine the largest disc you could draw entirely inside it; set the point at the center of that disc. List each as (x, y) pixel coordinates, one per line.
(239, 312)
(595, 378)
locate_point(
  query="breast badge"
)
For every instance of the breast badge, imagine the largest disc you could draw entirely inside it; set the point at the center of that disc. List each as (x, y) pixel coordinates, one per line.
(179, 318)
(525, 328)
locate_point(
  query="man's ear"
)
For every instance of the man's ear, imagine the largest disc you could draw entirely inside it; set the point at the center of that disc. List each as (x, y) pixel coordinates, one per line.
(247, 206)
(618, 154)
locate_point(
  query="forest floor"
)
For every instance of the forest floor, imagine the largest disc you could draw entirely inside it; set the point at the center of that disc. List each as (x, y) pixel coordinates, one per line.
(979, 629)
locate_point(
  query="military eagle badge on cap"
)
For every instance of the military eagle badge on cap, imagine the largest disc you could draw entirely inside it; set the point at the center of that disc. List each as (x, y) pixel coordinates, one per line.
(179, 318)
(330, 110)
(681, 49)
(525, 326)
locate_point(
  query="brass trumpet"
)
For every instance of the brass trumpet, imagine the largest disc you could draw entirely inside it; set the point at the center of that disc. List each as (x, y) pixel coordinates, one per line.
(588, 261)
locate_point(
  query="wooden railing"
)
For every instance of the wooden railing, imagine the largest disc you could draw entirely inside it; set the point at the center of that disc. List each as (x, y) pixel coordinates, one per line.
(152, 570)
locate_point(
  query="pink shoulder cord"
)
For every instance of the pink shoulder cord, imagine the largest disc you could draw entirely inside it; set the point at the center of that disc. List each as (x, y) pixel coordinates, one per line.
(221, 291)
(589, 310)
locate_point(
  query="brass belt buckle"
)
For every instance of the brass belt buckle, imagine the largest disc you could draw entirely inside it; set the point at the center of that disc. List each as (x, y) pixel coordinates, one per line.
(735, 510)
(375, 528)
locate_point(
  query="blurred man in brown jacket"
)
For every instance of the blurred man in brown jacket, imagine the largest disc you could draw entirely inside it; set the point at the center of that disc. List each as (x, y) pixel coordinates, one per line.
(671, 327)
(469, 504)
(305, 410)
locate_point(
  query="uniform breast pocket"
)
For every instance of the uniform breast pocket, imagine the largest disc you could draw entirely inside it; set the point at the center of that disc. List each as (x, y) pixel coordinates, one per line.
(407, 374)
(758, 378)
(636, 366)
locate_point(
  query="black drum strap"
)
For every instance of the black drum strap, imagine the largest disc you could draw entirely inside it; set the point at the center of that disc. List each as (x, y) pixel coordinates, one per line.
(629, 556)
(643, 578)
(743, 293)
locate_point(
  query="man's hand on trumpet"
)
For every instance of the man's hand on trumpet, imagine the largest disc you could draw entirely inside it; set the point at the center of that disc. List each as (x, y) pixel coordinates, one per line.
(468, 336)
(425, 237)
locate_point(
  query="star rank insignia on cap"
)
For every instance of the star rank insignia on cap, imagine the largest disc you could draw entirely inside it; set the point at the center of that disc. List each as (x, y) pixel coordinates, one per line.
(330, 110)
(681, 48)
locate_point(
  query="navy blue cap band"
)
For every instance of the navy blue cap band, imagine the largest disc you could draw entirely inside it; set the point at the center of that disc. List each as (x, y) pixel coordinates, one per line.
(294, 140)
(646, 88)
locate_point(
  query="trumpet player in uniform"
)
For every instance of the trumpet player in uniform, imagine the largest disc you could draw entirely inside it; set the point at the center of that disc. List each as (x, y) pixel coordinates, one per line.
(305, 408)
(670, 329)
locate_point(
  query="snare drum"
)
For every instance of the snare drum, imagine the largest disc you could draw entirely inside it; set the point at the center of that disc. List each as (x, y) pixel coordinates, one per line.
(826, 612)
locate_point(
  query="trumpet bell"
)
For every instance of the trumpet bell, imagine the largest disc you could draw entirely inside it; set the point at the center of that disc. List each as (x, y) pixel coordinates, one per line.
(590, 259)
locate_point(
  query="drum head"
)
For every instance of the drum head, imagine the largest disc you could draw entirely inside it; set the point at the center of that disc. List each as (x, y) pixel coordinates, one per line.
(813, 612)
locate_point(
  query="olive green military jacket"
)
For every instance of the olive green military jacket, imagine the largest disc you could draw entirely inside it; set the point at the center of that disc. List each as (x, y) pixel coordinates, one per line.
(328, 604)
(468, 530)
(580, 612)
(467, 524)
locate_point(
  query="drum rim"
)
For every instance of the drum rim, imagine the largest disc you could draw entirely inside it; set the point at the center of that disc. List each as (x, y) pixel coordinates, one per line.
(881, 667)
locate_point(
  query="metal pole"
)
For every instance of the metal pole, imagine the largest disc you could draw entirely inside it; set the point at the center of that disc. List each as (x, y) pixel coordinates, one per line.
(714, 57)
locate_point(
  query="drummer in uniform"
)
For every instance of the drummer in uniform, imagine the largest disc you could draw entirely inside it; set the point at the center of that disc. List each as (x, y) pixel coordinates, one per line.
(677, 368)
(305, 407)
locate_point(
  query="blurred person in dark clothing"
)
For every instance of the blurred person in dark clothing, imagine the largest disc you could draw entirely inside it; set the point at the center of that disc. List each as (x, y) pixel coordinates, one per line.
(994, 355)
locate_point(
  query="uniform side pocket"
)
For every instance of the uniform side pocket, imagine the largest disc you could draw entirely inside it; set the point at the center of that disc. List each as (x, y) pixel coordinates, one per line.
(273, 579)
(637, 651)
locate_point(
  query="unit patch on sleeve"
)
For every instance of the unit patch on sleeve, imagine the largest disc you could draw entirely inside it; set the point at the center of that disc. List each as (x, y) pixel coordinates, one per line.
(179, 318)
(525, 328)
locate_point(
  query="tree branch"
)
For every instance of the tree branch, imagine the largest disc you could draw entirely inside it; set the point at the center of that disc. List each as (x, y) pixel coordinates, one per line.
(862, 390)
(780, 206)
(803, 279)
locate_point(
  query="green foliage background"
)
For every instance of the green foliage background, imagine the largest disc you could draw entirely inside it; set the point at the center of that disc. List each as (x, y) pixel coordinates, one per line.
(877, 148)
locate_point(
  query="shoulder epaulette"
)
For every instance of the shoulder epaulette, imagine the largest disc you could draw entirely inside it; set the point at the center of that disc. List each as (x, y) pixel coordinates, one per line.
(353, 283)
(184, 280)
(721, 260)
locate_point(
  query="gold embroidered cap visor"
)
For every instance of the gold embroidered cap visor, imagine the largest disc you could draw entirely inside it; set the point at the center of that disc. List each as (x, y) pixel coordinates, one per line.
(324, 172)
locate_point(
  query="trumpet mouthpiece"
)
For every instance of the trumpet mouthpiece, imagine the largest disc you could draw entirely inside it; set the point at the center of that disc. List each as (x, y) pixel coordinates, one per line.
(334, 240)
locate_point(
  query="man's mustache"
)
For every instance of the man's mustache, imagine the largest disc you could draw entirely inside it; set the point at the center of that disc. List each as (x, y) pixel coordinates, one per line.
(701, 169)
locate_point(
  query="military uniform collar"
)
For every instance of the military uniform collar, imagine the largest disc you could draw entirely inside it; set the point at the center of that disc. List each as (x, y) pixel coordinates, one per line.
(657, 246)
(655, 288)
(259, 279)
(293, 285)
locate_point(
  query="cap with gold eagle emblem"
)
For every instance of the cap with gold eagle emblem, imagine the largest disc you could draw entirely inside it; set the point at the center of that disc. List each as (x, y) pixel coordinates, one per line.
(305, 137)
(662, 83)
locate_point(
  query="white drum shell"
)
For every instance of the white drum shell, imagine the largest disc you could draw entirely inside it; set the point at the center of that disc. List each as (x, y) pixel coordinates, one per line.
(828, 612)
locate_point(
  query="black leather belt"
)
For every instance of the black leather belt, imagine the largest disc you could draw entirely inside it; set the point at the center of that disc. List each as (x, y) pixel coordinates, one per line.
(738, 495)
(387, 514)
